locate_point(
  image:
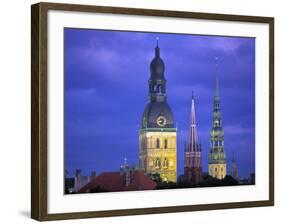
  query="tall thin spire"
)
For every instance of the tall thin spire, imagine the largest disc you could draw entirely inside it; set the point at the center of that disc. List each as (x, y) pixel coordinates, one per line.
(192, 112)
(157, 39)
(193, 159)
(217, 87)
(217, 80)
(217, 156)
(193, 131)
(216, 94)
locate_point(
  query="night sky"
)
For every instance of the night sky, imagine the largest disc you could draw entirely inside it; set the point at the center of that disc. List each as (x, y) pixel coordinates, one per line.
(106, 90)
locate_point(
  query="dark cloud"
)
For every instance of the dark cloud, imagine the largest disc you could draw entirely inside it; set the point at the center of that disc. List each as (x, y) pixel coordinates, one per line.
(106, 74)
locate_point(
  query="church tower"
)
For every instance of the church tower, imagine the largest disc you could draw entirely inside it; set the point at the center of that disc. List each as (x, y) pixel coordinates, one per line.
(192, 152)
(217, 157)
(158, 135)
(234, 169)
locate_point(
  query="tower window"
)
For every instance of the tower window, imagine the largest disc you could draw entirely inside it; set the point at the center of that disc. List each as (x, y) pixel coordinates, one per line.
(159, 89)
(157, 163)
(171, 163)
(157, 143)
(154, 87)
(216, 169)
(165, 163)
(166, 144)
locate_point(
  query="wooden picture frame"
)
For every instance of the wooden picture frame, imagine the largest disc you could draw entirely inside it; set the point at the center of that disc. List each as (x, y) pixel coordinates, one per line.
(39, 110)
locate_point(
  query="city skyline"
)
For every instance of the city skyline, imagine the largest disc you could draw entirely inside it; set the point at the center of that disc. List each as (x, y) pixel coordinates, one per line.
(102, 65)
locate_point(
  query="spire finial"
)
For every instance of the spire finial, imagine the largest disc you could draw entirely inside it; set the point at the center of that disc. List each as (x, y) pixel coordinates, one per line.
(157, 49)
(217, 81)
(192, 94)
(216, 60)
(157, 40)
(192, 112)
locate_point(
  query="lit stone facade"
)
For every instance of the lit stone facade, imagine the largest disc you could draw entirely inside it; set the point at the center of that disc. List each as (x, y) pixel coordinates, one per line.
(158, 152)
(157, 135)
(217, 156)
(217, 170)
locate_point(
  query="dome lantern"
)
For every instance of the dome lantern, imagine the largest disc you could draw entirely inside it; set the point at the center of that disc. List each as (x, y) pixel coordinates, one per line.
(157, 66)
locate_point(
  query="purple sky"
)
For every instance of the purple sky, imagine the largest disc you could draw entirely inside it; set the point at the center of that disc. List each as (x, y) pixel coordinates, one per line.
(106, 90)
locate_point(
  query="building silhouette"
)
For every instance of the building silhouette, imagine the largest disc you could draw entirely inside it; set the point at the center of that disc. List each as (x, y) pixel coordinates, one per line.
(234, 169)
(158, 135)
(127, 179)
(193, 152)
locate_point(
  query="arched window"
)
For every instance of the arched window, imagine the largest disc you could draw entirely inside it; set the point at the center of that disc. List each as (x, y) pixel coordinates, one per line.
(171, 162)
(159, 89)
(165, 163)
(157, 163)
(154, 87)
(166, 143)
(157, 143)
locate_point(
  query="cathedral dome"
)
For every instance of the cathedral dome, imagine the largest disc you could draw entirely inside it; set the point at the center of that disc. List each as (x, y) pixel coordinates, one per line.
(157, 115)
(157, 66)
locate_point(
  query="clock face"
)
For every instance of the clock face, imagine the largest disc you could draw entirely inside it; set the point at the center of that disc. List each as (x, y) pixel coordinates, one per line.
(161, 121)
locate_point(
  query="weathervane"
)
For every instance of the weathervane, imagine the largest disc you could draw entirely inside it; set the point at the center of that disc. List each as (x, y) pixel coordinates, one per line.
(157, 39)
(217, 64)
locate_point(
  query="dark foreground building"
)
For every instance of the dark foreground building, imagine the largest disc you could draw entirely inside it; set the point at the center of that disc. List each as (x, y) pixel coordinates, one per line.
(125, 180)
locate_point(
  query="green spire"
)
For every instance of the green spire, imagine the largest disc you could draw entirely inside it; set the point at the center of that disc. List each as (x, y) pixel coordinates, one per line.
(217, 80)
(217, 87)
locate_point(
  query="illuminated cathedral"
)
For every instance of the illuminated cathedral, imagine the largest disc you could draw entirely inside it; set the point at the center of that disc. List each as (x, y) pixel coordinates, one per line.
(158, 135)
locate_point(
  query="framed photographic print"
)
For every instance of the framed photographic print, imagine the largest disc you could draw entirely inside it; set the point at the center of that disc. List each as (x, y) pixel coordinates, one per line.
(140, 111)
